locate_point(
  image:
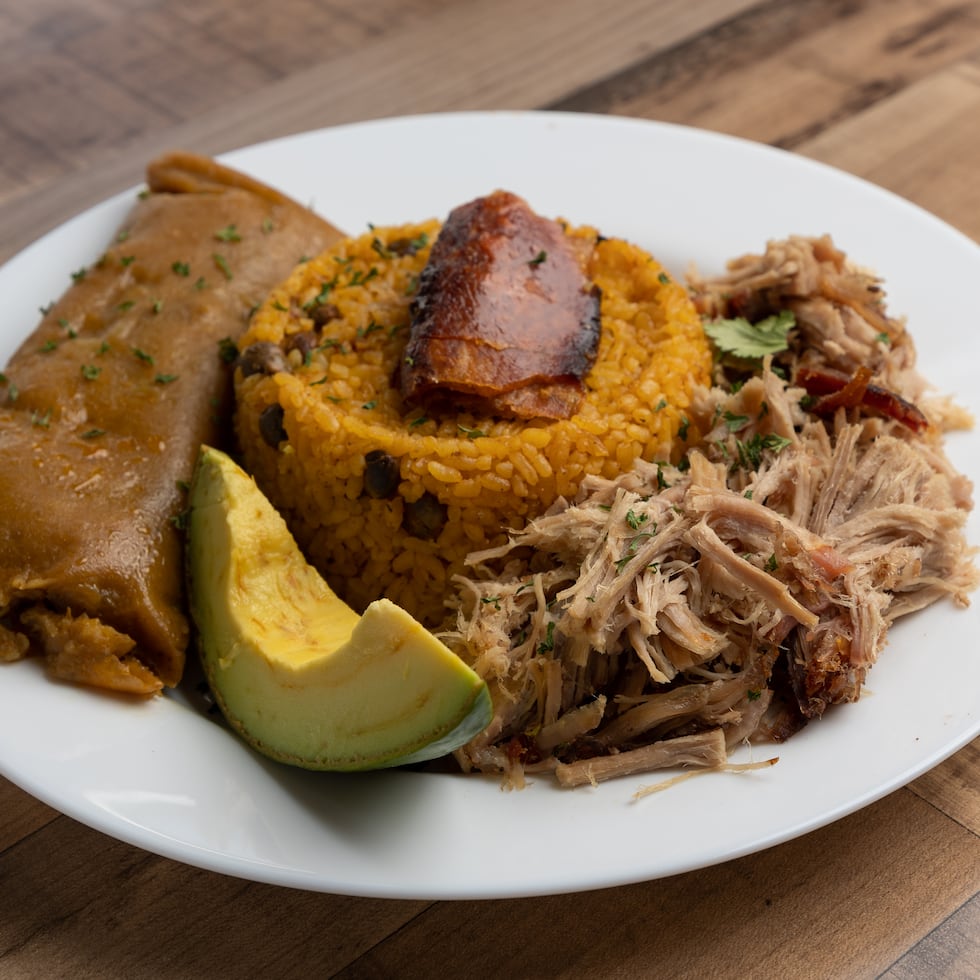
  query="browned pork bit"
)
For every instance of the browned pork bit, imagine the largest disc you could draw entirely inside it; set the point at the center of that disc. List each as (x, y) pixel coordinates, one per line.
(832, 390)
(505, 321)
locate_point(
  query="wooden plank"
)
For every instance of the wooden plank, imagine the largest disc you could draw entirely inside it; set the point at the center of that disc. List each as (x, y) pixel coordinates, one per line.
(950, 951)
(506, 54)
(91, 907)
(22, 814)
(954, 788)
(831, 59)
(720, 922)
(923, 143)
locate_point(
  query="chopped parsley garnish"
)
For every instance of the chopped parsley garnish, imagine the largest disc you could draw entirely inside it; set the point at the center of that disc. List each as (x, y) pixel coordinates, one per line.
(222, 263)
(227, 350)
(548, 643)
(632, 548)
(125, 260)
(771, 563)
(735, 423)
(635, 520)
(750, 451)
(48, 346)
(157, 305)
(372, 327)
(664, 279)
(539, 258)
(90, 372)
(359, 278)
(181, 268)
(142, 355)
(93, 433)
(165, 379)
(79, 275)
(470, 433)
(321, 297)
(742, 338)
(228, 234)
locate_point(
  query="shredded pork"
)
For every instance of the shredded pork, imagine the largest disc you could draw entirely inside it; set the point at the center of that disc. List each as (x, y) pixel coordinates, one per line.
(662, 618)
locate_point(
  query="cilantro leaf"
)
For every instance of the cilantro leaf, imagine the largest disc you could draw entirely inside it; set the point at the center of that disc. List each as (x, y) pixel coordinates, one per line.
(744, 339)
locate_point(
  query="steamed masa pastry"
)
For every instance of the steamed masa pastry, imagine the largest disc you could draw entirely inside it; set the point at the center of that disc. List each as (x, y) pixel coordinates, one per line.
(102, 411)
(388, 499)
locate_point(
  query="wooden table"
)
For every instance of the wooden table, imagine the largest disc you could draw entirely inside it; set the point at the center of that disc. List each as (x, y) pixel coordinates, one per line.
(887, 89)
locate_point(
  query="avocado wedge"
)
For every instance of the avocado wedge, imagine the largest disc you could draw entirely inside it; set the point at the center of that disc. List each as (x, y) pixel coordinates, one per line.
(297, 673)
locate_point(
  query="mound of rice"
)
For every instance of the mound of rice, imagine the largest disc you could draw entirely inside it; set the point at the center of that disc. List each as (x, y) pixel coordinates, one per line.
(385, 500)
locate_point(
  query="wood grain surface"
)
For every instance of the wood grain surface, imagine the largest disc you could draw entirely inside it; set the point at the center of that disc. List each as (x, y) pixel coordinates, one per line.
(886, 89)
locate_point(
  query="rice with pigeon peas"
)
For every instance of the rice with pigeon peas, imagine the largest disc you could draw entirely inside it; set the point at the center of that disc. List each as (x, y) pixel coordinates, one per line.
(386, 500)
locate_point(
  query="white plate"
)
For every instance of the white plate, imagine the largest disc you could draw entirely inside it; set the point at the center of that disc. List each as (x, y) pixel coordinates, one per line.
(168, 779)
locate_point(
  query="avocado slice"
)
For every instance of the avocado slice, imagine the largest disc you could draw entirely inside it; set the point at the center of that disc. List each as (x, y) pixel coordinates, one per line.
(297, 673)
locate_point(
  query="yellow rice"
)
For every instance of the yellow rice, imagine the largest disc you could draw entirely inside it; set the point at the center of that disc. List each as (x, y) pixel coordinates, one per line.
(340, 403)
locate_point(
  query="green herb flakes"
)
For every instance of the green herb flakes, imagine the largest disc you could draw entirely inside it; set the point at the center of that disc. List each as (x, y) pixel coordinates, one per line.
(735, 423)
(222, 263)
(227, 350)
(635, 520)
(750, 451)
(548, 643)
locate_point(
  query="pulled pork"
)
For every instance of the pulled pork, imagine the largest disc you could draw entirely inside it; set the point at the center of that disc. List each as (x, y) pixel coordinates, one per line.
(662, 618)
